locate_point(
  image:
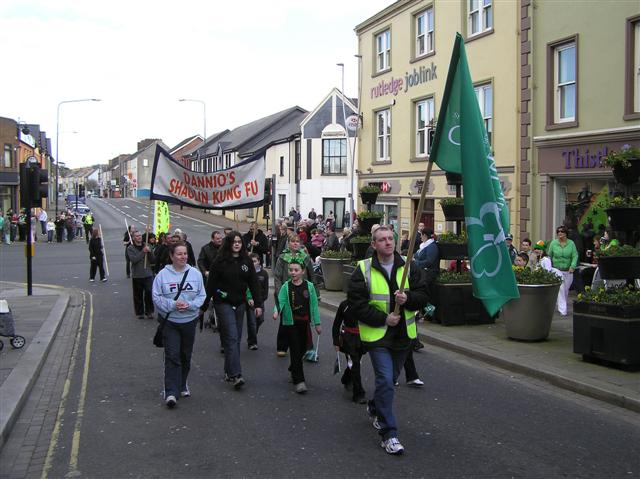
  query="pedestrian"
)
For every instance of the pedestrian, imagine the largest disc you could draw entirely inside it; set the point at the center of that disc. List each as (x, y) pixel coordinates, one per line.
(79, 225)
(208, 253)
(14, 225)
(191, 257)
(346, 339)
(253, 320)
(513, 252)
(428, 255)
(141, 259)
(87, 221)
(298, 309)
(522, 260)
(256, 241)
(42, 218)
(564, 256)
(51, 228)
(292, 252)
(386, 335)
(5, 228)
(525, 247)
(312, 214)
(59, 227)
(331, 242)
(282, 236)
(178, 293)
(127, 240)
(229, 277)
(70, 226)
(96, 255)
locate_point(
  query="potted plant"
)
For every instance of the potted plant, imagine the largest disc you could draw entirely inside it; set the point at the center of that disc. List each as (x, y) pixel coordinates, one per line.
(332, 263)
(452, 246)
(606, 325)
(625, 164)
(453, 208)
(360, 244)
(528, 318)
(624, 213)
(369, 194)
(455, 303)
(619, 262)
(369, 218)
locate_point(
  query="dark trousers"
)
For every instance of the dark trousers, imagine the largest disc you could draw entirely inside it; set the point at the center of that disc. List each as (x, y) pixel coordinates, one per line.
(253, 325)
(59, 232)
(282, 341)
(43, 226)
(128, 262)
(96, 264)
(142, 300)
(178, 346)
(410, 371)
(87, 231)
(351, 375)
(70, 233)
(297, 335)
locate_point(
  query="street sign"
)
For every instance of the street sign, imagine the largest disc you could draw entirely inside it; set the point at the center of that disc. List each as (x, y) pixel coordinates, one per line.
(353, 122)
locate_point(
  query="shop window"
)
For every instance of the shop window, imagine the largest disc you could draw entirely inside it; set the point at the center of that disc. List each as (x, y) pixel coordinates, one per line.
(424, 125)
(424, 33)
(383, 51)
(480, 17)
(334, 157)
(8, 150)
(282, 166)
(484, 94)
(383, 135)
(632, 69)
(562, 83)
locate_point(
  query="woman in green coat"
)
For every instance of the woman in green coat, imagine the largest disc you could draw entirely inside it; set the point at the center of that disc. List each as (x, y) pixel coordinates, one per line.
(564, 256)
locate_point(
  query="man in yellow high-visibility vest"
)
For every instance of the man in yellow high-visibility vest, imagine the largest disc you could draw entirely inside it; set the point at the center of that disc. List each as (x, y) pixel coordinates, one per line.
(387, 336)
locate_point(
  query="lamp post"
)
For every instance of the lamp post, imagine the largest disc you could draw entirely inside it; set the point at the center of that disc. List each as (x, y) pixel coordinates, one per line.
(57, 140)
(346, 131)
(204, 121)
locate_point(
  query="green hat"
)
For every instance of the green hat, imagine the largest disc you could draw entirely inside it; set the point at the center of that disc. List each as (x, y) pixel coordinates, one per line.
(541, 245)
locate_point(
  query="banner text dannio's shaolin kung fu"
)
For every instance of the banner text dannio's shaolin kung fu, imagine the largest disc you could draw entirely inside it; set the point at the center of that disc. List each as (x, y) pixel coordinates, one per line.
(241, 186)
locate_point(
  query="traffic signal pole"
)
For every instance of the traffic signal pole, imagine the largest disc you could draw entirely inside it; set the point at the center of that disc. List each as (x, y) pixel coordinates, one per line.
(29, 258)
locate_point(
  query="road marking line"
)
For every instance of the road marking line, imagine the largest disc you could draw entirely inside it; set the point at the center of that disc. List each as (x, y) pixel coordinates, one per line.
(55, 435)
(75, 443)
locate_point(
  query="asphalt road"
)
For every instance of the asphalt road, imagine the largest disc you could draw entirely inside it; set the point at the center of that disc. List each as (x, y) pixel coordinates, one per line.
(470, 420)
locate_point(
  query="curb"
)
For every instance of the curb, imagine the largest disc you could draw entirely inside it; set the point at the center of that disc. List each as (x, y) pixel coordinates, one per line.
(548, 376)
(17, 387)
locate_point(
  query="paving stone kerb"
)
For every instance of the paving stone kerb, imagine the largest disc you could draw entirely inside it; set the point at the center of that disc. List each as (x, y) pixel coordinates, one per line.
(17, 386)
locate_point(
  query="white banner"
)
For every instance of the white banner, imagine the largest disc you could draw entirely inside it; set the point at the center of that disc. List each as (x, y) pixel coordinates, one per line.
(241, 186)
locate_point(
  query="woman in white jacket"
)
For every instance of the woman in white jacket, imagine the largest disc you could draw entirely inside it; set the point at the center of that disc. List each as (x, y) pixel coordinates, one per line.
(181, 315)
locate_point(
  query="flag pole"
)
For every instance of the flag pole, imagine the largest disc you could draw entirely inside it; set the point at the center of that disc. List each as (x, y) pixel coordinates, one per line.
(106, 261)
(146, 241)
(254, 231)
(416, 220)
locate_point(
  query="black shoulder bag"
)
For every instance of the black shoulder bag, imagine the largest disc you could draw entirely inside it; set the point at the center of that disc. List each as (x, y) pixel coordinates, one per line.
(157, 338)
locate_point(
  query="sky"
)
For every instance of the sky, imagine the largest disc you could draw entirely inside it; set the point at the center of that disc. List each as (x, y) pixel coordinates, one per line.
(244, 59)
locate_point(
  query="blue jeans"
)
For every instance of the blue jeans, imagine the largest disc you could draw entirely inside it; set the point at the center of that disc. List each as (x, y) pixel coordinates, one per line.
(230, 319)
(178, 346)
(387, 365)
(253, 325)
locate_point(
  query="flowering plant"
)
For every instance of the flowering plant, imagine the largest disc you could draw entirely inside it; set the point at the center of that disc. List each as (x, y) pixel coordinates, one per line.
(618, 250)
(370, 189)
(449, 277)
(622, 202)
(620, 295)
(622, 157)
(451, 201)
(453, 238)
(526, 275)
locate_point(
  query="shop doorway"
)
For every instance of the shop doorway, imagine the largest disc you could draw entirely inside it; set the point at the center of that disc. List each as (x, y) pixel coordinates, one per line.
(427, 214)
(337, 207)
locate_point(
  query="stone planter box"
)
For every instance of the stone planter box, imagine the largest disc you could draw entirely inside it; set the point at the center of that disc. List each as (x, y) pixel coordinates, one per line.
(347, 271)
(453, 212)
(456, 305)
(369, 198)
(529, 317)
(332, 273)
(359, 250)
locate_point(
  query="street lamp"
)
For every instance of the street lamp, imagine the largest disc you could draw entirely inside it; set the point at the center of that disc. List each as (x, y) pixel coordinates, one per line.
(346, 130)
(57, 140)
(204, 120)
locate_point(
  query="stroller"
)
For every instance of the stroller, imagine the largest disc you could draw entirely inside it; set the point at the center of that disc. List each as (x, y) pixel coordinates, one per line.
(7, 327)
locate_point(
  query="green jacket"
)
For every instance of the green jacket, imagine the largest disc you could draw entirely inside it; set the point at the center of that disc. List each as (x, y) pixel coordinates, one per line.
(284, 308)
(565, 257)
(281, 270)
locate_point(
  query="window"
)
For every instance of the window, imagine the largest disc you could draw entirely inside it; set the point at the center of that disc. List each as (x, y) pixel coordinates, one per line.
(219, 162)
(424, 32)
(145, 162)
(383, 135)
(334, 157)
(562, 83)
(7, 156)
(480, 16)
(383, 51)
(424, 125)
(227, 160)
(282, 166)
(632, 69)
(484, 94)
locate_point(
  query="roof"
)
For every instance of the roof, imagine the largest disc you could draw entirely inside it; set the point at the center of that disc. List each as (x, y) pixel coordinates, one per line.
(394, 7)
(184, 142)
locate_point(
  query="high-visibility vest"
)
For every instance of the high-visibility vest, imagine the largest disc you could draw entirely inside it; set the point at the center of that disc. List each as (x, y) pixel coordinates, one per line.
(379, 298)
(88, 219)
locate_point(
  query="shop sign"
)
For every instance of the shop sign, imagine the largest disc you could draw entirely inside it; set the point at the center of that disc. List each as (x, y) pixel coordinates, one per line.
(386, 186)
(396, 85)
(416, 187)
(575, 158)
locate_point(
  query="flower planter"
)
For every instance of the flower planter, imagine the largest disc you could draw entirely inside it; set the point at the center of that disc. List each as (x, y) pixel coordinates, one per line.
(347, 271)
(619, 267)
(604, 309)
(627, 176)
(453, 178)
(453, 212)
(359, 250)
(452, 250)
(367, 223)
(528, 318)
(456, 305)
(369, 198)
(623, 219)
(332, 273)
(607, 339)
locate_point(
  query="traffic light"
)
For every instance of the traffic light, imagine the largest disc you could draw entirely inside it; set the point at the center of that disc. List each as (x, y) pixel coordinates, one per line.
(33, 184)
(41, 185)
(267, 191)
(81, 191)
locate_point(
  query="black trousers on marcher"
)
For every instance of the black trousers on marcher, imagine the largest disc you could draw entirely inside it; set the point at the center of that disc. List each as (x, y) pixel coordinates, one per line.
(142, 300)
(297, 335)
(352, 376)
(96, 264)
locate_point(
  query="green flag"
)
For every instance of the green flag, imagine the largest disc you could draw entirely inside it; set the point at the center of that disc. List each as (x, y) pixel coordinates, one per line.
(461, 145)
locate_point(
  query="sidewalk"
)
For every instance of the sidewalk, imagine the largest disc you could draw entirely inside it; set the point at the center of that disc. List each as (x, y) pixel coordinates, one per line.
(37, 318)
(552, 360)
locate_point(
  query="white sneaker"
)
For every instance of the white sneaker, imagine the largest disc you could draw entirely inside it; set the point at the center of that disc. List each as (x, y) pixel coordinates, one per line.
(392, 446)
(170, 402)
(415, 383)
(186, 393)
(92, 280)
(301, 388)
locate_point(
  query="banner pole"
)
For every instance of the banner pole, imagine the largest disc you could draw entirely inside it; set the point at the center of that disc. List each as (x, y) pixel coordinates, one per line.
(146, 241)
(416, 220)
(254, 231)
(106, 261)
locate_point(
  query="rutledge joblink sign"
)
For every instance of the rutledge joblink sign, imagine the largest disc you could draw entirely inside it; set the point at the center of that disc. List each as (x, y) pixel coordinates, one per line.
(241, 186)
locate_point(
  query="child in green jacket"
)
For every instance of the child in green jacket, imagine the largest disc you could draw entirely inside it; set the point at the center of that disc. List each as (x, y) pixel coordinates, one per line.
(297, 307)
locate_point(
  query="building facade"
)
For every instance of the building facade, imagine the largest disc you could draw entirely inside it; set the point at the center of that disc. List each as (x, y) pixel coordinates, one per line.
(585, 101)
(405, 53)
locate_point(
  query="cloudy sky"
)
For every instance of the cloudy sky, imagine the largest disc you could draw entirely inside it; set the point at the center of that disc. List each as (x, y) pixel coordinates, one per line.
(245, 59)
